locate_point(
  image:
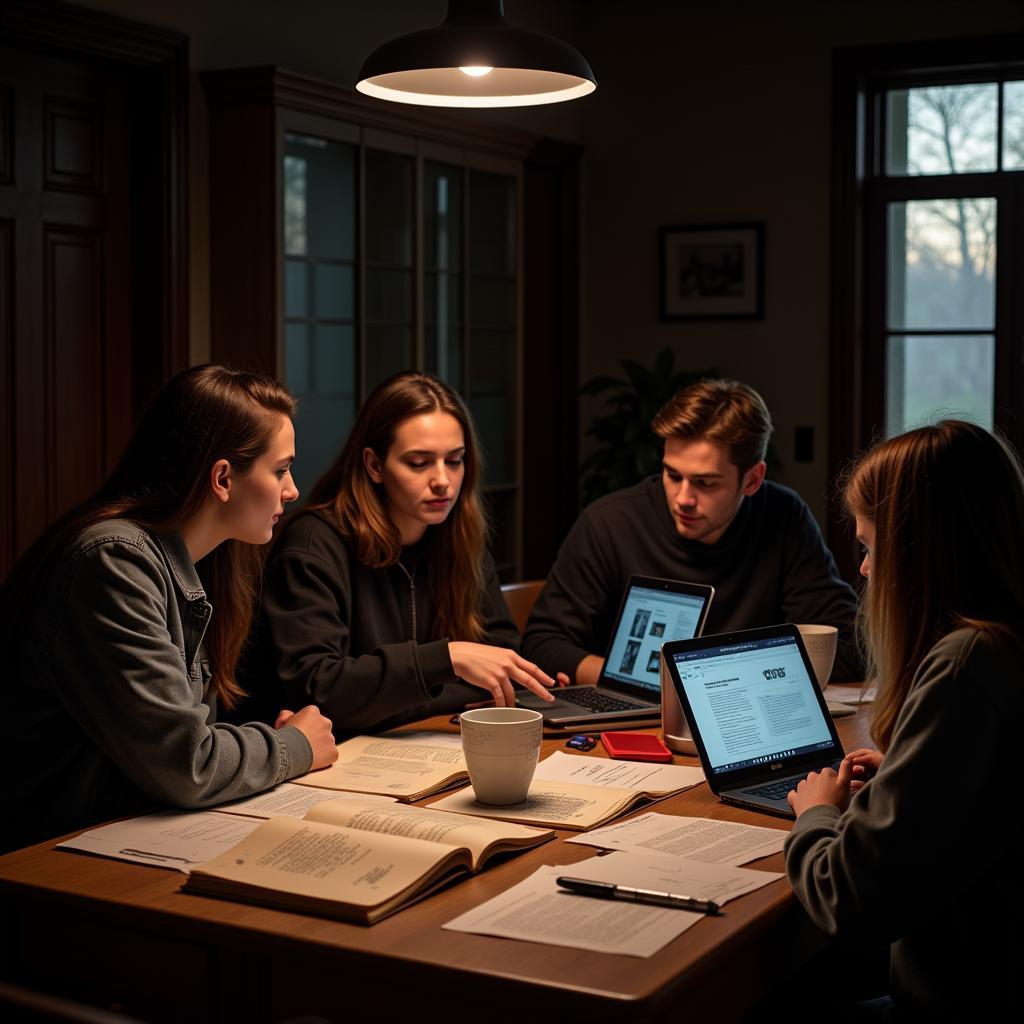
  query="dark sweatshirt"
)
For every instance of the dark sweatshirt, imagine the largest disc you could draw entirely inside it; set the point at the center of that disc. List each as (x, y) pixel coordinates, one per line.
(771, 565)
(337, 634)
(927, 854)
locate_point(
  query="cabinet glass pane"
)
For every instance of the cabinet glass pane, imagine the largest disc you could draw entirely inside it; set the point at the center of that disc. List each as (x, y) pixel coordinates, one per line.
(942, 257)
(442, 213)
(335, 291)
(492, 303)
(492, 389)
(388, 191)
(492, 210)
(296, 288)
(501, 505)
(929, 378)
(1013, 126)
(388, 295)
(943, 129)
(388, 350)
(319, 191)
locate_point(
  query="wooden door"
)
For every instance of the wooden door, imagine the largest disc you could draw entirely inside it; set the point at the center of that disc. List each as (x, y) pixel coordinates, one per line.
(65, 287)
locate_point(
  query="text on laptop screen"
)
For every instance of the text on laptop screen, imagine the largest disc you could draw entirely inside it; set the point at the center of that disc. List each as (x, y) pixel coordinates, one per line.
(753, 702)
(649, 619)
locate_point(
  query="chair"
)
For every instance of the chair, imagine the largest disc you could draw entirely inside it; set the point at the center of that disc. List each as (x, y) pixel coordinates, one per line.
(520, 598)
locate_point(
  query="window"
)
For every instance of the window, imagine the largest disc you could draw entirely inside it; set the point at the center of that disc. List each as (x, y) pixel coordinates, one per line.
(928, 252)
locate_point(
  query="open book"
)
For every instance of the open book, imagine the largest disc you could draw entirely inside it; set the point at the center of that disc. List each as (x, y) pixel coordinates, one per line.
(407, 767)
(574, 792)
(356, 861)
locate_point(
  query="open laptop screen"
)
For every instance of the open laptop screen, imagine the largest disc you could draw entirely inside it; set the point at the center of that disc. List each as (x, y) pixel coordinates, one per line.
(753, 703)
(649, 618)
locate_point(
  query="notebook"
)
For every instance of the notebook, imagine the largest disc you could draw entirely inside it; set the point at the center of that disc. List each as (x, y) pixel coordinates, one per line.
(758, 719)
(652, 611)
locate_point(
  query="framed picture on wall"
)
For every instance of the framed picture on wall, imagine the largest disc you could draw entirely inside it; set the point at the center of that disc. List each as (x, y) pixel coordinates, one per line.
(712, 272)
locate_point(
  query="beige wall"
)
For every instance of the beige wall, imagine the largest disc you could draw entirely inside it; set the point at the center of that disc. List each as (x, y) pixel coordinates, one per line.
(705, 113)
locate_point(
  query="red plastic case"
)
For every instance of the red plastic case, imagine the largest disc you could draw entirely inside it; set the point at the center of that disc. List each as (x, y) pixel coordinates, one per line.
(635, 746)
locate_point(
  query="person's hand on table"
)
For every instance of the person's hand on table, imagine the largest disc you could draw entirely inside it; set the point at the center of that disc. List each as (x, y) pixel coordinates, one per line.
(496, 670)
(317, 730)
(865, 763)
(824, 788)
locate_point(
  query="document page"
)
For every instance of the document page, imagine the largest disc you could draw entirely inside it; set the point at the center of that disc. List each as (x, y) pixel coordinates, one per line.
(701, 839)
(169, 839)
(293, 801)
(641, 777)
(393, 767)
(537, 910)
(551, 804)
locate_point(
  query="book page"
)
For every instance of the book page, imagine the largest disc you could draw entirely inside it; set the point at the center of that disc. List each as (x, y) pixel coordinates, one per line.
(168, 839)
(551, 804)
(432, 826)
(292, 801)
(323, 863)
(394, 767)
(639, 776)
(703, 839)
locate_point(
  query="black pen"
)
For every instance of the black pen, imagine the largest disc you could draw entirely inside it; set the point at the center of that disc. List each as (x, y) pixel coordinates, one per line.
(610, 891)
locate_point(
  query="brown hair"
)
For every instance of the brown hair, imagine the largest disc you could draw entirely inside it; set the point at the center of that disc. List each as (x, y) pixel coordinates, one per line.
(204, 414)
(356, 504)
(724, 411)
(947, 505)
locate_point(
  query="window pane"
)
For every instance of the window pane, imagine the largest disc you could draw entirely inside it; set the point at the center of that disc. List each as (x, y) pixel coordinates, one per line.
(502, 508)
(335, 291)
(929, 378)
(388, 351)
(388, 189)
(296, 358)
(388, 295)
(491, 224)
(319, 198)
(942, 257)
(492, 389)
(296, 288)
(1013, 126)
(442, 210)
(948, 129)
(334, 360)
(321, 426)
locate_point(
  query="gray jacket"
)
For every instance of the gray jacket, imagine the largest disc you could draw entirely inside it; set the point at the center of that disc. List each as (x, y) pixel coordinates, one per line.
(927, 856)
(108, 698)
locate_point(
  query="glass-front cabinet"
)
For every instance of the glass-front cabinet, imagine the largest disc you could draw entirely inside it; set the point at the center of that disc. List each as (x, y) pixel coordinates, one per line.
(396, 245)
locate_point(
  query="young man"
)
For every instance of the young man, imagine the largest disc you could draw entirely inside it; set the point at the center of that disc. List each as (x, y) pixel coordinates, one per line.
(711, 517)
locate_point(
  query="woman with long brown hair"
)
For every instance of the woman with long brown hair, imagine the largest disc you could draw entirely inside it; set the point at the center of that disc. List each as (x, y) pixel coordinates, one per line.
(916, 843)
(123, 623)
(380, 600)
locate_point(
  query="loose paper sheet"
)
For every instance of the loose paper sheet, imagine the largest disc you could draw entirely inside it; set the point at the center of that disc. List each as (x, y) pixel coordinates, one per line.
(850, 694)
(602, 771)
(537, 910)
(700, 839)
(168, 839)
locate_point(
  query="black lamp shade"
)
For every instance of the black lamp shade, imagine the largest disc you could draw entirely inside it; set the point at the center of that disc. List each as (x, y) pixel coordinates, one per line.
(513, 67)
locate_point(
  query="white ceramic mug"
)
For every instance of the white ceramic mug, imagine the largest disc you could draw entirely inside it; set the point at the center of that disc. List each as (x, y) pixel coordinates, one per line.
(820, 643)
(501, 747)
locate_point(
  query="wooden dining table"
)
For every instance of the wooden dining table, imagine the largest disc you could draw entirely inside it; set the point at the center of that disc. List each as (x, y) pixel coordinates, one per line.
(123, 935)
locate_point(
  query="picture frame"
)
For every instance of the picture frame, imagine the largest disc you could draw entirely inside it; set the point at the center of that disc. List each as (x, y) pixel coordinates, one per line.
(711, 271)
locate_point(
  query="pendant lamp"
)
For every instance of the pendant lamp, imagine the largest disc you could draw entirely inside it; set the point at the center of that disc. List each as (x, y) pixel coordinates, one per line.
(476, 59)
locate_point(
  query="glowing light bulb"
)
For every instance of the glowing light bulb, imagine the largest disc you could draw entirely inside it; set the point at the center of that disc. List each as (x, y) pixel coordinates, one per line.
(476, 71)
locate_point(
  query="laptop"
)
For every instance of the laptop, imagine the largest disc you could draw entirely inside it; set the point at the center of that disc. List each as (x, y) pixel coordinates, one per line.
(757, 717)
(629, 688)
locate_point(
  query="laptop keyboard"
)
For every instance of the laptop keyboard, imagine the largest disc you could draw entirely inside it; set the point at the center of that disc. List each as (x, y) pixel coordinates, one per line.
(595, 700)
(775, 790)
